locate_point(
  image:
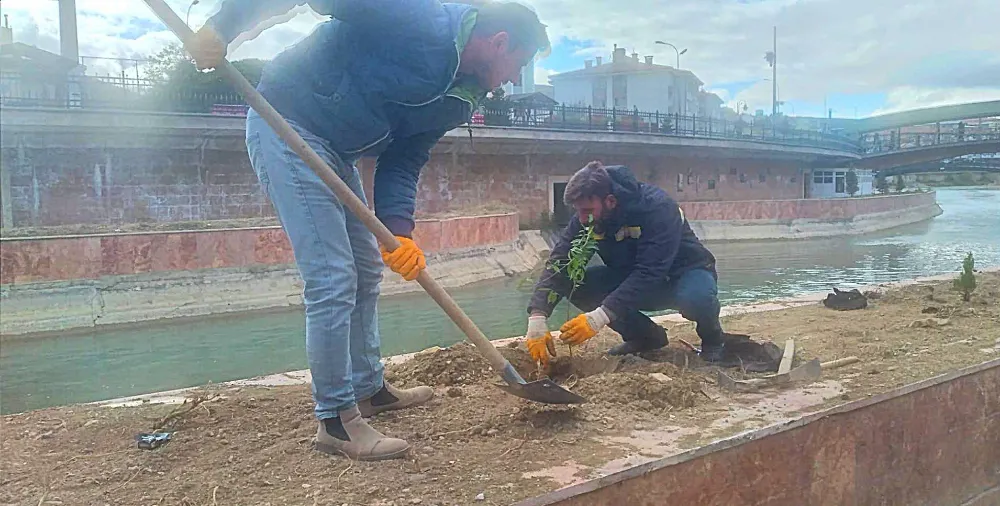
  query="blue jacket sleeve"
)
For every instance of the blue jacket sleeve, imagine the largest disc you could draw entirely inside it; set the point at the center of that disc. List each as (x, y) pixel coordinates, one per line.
(397, 171)
(659, 241)
(237, 16)
(552, 282)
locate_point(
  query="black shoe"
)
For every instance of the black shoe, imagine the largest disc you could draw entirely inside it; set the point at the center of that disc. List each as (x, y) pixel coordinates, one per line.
(712, 352)
(659, 340)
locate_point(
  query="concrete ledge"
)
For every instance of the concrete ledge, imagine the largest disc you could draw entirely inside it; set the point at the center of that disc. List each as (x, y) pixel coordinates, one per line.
(749, 230)
(936, 441)
(65, 305)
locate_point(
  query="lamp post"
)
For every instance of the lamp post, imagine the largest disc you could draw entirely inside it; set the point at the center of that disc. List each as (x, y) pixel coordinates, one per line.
(679, 52)
(187, 19)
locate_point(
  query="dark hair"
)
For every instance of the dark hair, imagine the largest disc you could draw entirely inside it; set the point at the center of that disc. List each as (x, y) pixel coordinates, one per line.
(590, 181)
(525, 30)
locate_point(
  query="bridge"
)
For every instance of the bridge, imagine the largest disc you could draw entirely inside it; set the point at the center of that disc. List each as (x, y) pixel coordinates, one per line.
(925, 116)
(877, 143)
(929, 135)
(961, 164)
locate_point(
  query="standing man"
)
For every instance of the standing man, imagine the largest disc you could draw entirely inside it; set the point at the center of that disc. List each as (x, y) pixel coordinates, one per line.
(652, 261)
(385, 77)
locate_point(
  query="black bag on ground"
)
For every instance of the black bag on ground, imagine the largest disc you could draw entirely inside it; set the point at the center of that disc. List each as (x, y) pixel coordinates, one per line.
(846, 301)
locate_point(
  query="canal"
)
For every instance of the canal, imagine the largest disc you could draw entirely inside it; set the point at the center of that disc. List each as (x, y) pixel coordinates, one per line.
(114, 362)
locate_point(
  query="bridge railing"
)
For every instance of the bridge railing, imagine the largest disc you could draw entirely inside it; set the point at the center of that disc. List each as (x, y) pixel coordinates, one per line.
(116, 93)
(918, 136)
(564, 117)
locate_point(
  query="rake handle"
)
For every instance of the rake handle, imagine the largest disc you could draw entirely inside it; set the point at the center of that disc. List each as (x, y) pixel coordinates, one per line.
(340, 189)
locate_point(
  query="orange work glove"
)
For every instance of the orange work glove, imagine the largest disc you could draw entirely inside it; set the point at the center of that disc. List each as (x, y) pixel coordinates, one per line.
(407, 260)
(583, 327)
(207, 48)
(539, 340)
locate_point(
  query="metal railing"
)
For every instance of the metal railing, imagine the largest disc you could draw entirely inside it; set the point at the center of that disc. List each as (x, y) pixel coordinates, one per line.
(917, 136)
(132, 94)
(563, 117)
(112, 93)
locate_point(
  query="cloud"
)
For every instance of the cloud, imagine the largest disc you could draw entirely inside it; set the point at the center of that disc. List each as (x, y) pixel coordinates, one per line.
(907, 98)
(542, 75)
(912, 52)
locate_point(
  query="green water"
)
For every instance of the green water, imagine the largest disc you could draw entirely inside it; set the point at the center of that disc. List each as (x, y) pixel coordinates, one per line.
(115, 362)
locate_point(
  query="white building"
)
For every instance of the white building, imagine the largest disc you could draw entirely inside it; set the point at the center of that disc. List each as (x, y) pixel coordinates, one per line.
(527, 81)
(832, 183)
(711, 105)
(629, 83)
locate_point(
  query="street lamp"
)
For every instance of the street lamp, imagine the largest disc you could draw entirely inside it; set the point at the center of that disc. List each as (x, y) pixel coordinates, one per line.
(679, 52)
(187, 19)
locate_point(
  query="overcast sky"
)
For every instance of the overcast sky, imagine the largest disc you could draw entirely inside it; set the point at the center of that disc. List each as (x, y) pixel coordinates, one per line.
(861, 57)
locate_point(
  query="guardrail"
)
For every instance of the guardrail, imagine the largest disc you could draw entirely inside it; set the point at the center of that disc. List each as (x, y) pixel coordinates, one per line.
(87, 92)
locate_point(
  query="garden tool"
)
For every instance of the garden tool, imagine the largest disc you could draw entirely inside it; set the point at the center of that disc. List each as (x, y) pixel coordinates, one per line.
(544, 390)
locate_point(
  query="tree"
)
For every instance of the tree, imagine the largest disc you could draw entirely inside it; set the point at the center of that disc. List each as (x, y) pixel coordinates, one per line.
(178, 84)
(851, 179)
(881, 185)
(161, 65)
(966, 281)
(900, 184)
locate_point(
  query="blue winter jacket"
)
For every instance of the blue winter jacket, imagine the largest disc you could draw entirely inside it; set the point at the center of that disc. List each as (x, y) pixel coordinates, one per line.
(647, 236)
(378, 78)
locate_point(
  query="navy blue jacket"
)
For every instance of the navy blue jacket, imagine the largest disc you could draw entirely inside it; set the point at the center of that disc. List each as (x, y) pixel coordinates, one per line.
(374, 79)
(647, 236)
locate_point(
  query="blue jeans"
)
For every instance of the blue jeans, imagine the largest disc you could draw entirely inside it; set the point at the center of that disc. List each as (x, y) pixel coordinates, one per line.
(694, 294)
(340, 264)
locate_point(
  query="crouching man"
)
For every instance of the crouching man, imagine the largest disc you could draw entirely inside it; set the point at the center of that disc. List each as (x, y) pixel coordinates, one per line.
(652, 261)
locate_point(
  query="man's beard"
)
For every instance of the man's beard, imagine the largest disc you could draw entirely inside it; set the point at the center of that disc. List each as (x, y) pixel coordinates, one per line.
(607, 218)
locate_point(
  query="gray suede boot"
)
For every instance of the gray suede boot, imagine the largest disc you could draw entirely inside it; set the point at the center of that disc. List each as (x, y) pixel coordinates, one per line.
(351, 436)
(390, 398)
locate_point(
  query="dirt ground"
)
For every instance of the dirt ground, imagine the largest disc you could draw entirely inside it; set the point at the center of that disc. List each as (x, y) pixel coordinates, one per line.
(254, 445)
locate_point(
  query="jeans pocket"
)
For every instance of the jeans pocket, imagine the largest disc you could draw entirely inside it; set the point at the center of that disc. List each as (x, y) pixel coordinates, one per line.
(257, 160)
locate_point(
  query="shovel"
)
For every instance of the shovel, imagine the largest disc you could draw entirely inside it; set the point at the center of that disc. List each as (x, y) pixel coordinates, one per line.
(809, 371)
(545, 390)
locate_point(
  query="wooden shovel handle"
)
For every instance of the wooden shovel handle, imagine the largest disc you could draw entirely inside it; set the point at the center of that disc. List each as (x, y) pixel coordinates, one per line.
(340, 189)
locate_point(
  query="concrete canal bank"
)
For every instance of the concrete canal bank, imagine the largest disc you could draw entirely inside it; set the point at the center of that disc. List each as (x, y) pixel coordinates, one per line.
(72, 282)
(54, 283)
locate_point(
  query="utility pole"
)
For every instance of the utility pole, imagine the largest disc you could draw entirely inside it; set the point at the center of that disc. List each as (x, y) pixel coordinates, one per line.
(771, 57)
(774, 76)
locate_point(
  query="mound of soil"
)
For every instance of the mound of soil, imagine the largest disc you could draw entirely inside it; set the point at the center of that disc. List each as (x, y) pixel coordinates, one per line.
(456, 365)
(590, 371)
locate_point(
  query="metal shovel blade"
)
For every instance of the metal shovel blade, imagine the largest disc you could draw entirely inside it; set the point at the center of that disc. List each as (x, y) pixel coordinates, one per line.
(544, 390)
(810, 371)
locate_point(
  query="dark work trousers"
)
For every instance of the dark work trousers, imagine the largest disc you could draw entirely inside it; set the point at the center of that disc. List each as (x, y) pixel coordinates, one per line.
(695, 294)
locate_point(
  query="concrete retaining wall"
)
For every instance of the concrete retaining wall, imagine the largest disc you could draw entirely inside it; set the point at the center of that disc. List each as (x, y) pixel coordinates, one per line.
(63, 305)
(747, 230)
(26, 260)
(63, 167)
(936, 442)
(805, 209)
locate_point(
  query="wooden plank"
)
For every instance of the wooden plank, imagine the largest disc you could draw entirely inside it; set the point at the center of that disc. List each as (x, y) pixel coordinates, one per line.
(786, 358)
(840, 362)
